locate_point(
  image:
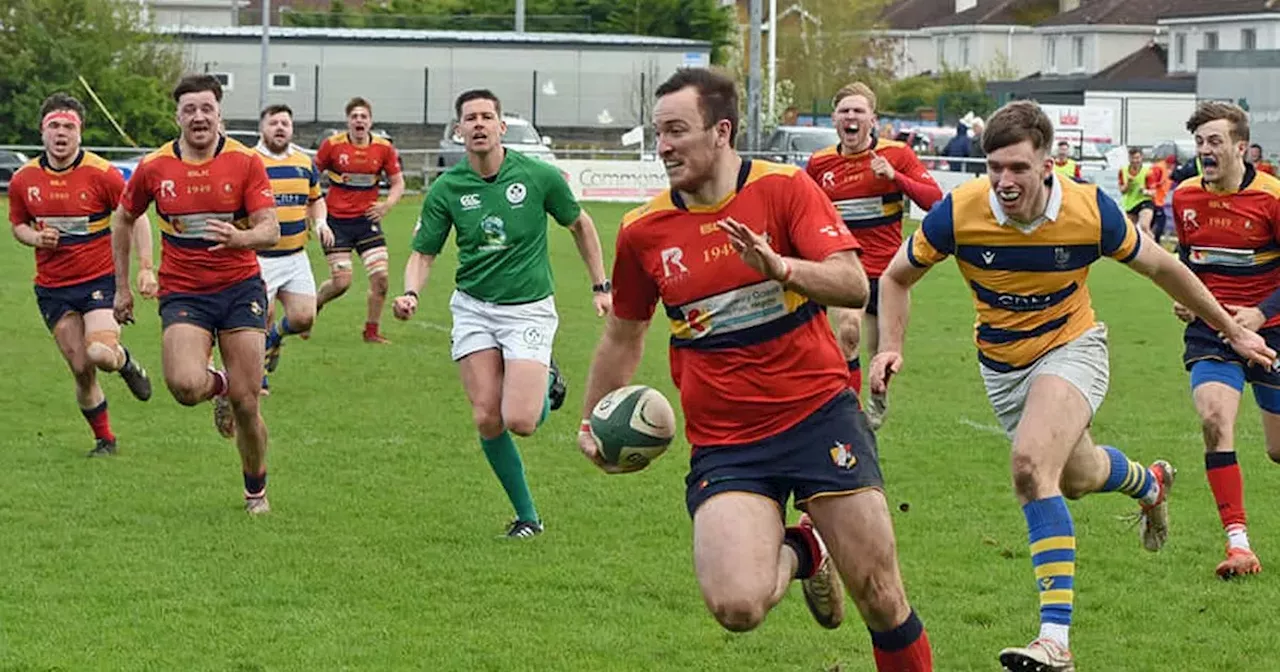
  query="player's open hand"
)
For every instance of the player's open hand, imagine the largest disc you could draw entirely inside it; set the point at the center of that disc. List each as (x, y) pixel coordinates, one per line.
(881, 168)
(122, 308)
(148, 287)
(883, 366)
(225, 234)
(587, 444)
(1183, 313)
(47, 238)
(603, 301)
(377, 211)
(754, 249)
(404, 306)
(326, 235)
(1246, 316)
(1250, 345)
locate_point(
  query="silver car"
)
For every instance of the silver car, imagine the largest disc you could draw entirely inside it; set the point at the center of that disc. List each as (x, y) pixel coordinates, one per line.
(520, 136)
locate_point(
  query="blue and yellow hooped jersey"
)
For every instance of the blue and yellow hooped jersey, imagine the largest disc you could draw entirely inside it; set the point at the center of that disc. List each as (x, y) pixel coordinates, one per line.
(1028, 282)
(296, 184)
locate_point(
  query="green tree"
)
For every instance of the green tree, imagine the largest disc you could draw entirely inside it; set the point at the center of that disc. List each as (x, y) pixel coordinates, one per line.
(49, 44)
(823, 45)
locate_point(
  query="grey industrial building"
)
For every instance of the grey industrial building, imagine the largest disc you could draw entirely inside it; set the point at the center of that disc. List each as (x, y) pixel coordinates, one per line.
(412, 76)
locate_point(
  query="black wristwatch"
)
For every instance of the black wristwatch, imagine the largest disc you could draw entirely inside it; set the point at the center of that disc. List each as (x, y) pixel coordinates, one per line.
(604, 288)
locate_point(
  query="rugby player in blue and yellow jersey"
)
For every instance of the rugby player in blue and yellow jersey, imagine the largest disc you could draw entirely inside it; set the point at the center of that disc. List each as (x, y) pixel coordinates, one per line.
(285, 267)
(1024, 242)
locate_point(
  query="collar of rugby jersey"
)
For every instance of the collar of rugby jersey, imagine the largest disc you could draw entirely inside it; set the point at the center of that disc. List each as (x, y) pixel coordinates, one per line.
(1052, 207)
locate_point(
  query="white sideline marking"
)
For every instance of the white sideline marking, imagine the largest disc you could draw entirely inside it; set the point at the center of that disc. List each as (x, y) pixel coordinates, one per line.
(982, 427)
(432, 325)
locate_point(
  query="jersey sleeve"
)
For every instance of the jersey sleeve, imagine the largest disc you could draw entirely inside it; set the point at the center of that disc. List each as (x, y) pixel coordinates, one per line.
(635, 294)
(322, 157)
(434, 222)
(812, 223)
(915, 180)
(935, 240)
(1119, 236)
(257, 187)
(112, 184)
(136, 197)
(391, 160)
(559, 199)
(18, 213)
(313, 184)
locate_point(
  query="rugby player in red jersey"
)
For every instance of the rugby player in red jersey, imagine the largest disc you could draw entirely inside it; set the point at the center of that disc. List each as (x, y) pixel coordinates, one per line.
(354, 161)
(869, 179)
(60, 204)
(1228, 225)
(744, 255)
(215, 207)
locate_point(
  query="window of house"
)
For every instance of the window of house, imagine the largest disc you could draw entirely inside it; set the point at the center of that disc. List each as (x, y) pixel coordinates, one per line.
(282, 81)
(1211, 40)
(942, 53)
(1248, 38)
(1180, 51)
(1051, 55)
(1077, 52)
(225, 79)
(964, 52)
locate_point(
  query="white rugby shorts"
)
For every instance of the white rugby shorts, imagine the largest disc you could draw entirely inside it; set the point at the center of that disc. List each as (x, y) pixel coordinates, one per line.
(1082, 362)
(290, 273)
(520, 331)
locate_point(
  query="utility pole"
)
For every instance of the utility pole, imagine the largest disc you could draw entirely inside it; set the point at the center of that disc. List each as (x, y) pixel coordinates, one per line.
(753, 78)
(519, 16)
(266, 49)
(773, 57)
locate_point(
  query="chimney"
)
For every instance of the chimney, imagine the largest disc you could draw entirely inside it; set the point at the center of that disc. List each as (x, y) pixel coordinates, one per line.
(1065, 6)
(962, 5)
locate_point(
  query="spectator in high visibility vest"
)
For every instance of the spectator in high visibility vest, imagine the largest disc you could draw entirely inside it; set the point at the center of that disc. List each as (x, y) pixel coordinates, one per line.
(1063, 164)
(1137, 188)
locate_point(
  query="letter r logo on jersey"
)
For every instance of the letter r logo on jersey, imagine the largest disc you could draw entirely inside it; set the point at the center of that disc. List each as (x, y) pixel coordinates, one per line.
(671, 260)
(33, 193)
(1189, 219)
(167, 189)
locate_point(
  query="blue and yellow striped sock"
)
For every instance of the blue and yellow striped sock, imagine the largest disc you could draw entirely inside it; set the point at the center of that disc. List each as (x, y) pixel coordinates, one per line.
(1129, 477)
(1053, 555)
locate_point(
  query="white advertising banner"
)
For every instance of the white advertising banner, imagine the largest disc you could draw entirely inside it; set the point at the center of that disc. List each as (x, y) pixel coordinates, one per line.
(616, 181)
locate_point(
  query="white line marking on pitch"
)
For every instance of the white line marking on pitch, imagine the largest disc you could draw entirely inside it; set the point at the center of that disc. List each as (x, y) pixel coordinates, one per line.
(432, 325)
(990, 429)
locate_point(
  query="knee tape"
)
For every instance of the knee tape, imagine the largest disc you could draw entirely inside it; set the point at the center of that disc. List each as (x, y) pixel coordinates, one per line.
(104, 346)
(375, 260)
(340, 266)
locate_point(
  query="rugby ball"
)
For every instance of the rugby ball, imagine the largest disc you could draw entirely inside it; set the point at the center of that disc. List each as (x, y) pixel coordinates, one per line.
(632, 426)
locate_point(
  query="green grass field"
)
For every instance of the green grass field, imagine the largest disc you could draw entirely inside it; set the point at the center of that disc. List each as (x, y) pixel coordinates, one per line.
(382, 551)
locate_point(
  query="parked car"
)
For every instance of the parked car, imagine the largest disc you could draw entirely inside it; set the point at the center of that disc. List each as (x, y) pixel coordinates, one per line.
(10, 162)
(794, 144)
(521, 136)
(1185, 150)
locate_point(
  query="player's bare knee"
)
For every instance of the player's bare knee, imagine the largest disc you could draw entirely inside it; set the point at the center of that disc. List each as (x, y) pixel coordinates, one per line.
(244, 405)
(522, 426)
(301, 320)
(1216, 427)
(378, 284)
(738, 614)
(1273, 452)
(102, 348)
(881, 600)
(187, 392)
(488, 421)
(1027, 474)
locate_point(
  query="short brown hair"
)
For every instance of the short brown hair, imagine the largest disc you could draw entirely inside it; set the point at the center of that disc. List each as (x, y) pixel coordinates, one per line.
(855, 89)
(476, 94)
(275, 109)
(1016, 122)
(62, 101)
(196, 83)
(357, 102)
(1214, 110)
(717, 95)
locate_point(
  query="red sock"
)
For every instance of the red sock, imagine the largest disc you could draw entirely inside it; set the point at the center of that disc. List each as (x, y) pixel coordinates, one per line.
(855, 375)
(1227, 485)
(903, 649)
(370, 328)
(98, 421)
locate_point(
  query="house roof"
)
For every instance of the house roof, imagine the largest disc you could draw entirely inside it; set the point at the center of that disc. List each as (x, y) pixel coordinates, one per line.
(445, 36)
(912, 14)
(1194, 8)
(1110, 12)
(1000, 13)
(1149, 62)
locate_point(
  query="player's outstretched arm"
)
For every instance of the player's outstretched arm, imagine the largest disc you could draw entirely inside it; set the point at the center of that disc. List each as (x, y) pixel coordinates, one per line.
(587, 239)
(416, 272)
(264, 229)
(1179, 282)
(45, 239)
(123, 224)
(615, 361)
(894, 311)
(836, 280)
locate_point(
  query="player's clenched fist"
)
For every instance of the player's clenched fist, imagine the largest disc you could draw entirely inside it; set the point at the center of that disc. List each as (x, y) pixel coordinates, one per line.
(47, 238)
(405, 306)
(883, 366)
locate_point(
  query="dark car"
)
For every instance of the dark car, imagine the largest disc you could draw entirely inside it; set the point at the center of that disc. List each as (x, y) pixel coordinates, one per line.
(10, 162)
(794, 144)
